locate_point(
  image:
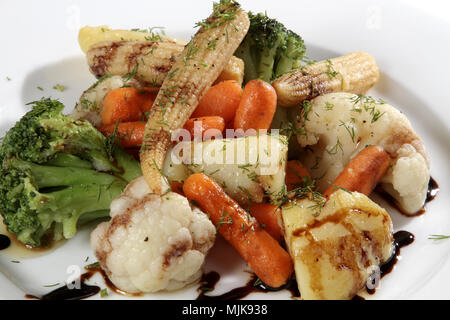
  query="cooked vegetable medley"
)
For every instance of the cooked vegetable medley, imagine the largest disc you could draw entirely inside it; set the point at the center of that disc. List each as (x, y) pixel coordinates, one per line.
(239, 135)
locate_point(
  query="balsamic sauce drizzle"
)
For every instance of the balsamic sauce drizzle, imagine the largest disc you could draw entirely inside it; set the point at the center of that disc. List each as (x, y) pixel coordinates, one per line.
(401, 239)
(85, 290)
(5, 242)
(209, 281)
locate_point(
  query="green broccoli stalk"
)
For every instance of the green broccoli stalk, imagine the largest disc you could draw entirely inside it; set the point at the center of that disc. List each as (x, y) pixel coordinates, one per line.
(57, 172)
(270, 50)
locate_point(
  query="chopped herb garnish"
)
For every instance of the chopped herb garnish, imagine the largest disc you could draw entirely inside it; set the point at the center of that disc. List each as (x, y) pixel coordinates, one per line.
(223, 12)
(166, 180)
(258, 282)
(192, 50)
(329, 106)
(351, 131)
(338, 146)
(8, 78)
(172, 73)
(330, 70)
(130, 75)
(211, 44)
(94, 265)
(307, 107)
(51, 285)
(104, 293)
(100, 80)
(336, 187)
(438, 237)
(59, 87)
(225, 219)
(40, 88)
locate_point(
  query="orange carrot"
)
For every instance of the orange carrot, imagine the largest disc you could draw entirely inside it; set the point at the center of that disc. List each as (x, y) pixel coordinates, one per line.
(267, 216)
(220, 100)
(295, 174)
(177, 187)
(129, 134)
(126, 105)
(363, 172)
(205, 123)
(257, 106)
(271, 263)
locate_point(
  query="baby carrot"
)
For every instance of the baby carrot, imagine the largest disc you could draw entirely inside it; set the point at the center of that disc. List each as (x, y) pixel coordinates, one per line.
(129, 134)
(267, 216)
(220, 100)
(271, 263)
(177, 187)
(257, 106)
(205, 123)
(126, 105)
(363, 172)
(295, 174)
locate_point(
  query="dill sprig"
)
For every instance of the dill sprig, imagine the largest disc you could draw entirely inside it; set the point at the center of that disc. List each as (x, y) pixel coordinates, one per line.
(305, 190)
(224, 219)
(130, 75)
(438, 237)
(336, 187)
(223, 12)
(369, 104)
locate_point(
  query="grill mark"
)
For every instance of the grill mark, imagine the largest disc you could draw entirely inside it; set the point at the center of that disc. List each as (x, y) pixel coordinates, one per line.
(101, 62)
(137, 52)
(342, 255)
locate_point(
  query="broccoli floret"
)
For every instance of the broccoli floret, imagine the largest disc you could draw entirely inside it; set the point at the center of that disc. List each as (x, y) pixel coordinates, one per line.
(269, 50)
(57, 172)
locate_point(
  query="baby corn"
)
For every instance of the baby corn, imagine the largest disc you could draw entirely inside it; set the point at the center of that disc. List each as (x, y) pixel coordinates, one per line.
(147, 61)
(355, 72)
(193, 73)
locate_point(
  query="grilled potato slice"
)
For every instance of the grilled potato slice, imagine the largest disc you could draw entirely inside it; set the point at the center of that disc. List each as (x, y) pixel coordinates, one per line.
(336, 248)
(88, 36)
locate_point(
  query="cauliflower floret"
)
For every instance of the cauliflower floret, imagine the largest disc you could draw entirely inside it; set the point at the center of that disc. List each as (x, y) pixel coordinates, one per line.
(336, 127)
(152, 242)
(90, 105)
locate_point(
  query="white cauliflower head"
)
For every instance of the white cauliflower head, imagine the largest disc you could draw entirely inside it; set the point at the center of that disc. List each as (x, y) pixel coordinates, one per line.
(152, 242)
(335, 127)
(90, 105)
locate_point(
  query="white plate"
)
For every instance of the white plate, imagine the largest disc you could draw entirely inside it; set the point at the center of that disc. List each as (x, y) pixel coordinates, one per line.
(408, 39)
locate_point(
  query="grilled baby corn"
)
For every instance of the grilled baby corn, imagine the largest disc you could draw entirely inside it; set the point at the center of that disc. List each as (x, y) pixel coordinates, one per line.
(147, 61)
(355, 72)
(191, 76)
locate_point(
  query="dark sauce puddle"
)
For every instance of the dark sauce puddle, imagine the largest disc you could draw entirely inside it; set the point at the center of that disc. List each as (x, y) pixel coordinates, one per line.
(209, 281)
(401, 239)
(85, 291)
(5, 242)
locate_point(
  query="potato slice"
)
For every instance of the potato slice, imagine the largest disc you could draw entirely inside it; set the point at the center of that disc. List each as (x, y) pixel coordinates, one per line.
(336, 248)
(89, 36)
(247, 168)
